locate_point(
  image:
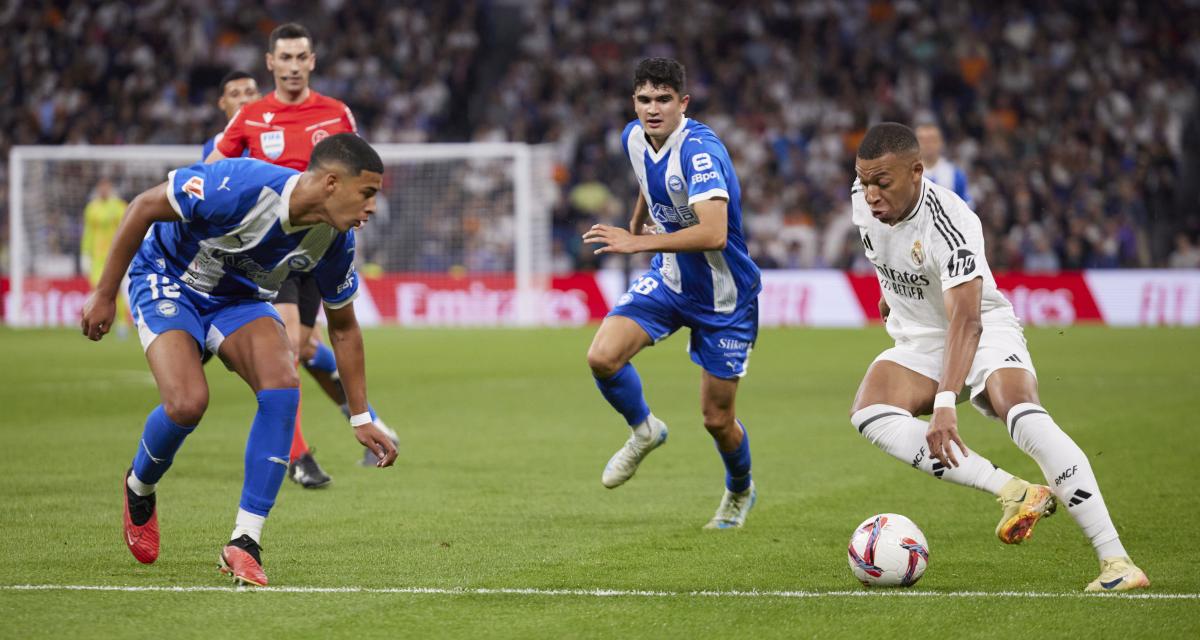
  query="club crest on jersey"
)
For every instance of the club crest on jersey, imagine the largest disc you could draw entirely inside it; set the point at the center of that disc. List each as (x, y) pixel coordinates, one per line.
(194, 187)
(298, 263)
(272, 143)
(166, 308)
(675, 184)
(917, 254)
(319, 135)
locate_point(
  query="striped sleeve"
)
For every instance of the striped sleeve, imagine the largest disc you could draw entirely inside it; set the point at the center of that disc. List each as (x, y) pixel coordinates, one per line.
(957, 240)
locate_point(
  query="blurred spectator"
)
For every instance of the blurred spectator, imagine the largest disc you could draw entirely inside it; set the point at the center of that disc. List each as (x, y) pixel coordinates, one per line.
(1069, 116)
(1186, 254)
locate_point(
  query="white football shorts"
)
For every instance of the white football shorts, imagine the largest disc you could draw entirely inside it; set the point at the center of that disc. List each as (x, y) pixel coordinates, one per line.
(999, 348)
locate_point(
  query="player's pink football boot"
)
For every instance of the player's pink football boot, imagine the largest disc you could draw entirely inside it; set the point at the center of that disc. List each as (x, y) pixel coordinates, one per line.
(141, 523)
(242, 559)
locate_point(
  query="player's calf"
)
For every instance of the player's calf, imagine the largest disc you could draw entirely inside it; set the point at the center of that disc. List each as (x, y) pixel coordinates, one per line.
(1068, 474)
(902, 436)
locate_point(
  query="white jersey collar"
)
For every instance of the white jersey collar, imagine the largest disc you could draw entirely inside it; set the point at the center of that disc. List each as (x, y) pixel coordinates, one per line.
(285, 205)
(920, 202)
(670, 142)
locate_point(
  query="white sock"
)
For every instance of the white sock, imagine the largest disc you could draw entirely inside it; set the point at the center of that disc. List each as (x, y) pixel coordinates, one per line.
(901, 435)
(139, 487)
(1068, 474)
(250, 524)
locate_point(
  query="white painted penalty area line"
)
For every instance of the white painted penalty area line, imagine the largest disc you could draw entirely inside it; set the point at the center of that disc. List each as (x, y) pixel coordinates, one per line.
(607, 593)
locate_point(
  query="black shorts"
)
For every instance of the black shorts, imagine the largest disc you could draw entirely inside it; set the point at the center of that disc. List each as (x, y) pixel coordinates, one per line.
(301, 290)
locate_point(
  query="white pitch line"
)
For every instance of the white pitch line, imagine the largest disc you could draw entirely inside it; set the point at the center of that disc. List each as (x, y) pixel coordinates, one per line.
(608, 593)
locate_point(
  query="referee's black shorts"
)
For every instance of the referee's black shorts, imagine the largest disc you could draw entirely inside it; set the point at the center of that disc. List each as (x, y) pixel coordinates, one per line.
(300, 289)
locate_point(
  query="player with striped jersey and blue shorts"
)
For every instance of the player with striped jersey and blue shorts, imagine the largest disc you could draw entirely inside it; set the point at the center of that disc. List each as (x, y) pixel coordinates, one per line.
(227, 235)
(701, 278)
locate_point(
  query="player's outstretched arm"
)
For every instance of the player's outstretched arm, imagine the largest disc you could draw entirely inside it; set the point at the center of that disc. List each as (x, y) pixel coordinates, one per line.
(708, 234)
(962, 340)
(346, 338)
(147, 208)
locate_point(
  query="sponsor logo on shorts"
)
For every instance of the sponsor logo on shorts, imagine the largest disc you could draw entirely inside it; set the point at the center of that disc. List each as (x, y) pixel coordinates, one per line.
(194, 187)
(167, 309)
(729, 343)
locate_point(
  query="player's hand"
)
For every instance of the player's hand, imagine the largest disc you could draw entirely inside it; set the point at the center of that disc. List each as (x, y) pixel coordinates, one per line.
(377, 441)
(97, 316)
(943, 430)
(884, 309)
(615, 239)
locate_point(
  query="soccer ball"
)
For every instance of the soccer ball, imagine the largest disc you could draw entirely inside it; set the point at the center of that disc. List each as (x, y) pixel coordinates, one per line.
(888, 550)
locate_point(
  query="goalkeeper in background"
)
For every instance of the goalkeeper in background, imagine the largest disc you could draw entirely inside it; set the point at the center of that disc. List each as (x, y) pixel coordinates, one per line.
(101, 217)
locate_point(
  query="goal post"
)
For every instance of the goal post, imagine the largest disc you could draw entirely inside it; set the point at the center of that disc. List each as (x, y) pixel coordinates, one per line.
(450, 216)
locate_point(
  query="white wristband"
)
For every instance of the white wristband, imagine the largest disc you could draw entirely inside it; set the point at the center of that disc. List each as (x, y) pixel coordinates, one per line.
(359, 419)
(945, 400)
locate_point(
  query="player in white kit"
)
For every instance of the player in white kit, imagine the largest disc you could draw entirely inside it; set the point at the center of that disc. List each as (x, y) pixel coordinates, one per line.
(953, 327)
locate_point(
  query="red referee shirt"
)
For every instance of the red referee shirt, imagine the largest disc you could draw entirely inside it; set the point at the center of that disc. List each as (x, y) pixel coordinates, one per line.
(285, 134)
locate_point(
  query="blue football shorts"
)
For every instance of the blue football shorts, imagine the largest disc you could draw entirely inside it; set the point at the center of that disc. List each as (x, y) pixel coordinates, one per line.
(161, 303)
(720, 342)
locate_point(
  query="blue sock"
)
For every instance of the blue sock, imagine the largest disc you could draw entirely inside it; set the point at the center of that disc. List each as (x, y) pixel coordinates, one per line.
(268, 447)
(323, 359)
(624, 392)
(737, 464)
(161, 438)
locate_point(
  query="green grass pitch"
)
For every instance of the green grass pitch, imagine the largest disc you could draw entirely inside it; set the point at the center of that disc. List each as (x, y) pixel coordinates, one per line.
(498, 487)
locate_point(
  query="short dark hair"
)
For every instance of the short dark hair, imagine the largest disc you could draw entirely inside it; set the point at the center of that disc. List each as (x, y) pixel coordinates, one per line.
(234, 75)
(660, 72)
(288, 31)
(885, 138)
(346, 150)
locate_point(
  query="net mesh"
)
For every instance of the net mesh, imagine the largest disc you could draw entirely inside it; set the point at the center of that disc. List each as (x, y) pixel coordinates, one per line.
(446, 213)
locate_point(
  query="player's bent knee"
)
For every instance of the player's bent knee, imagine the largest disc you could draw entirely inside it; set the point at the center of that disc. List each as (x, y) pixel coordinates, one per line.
(286, 379)
(186, 408)
(604, 364)
(717, 418)
(875, 420)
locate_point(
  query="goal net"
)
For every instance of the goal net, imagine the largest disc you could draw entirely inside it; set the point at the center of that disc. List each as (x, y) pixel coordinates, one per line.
(461, 237)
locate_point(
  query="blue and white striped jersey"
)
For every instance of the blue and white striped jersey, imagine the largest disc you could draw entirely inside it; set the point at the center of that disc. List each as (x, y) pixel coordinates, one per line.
(947, 174)
(234, 238)
(692, 166)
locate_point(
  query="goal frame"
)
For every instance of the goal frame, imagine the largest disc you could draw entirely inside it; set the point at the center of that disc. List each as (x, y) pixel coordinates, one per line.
(528, 286)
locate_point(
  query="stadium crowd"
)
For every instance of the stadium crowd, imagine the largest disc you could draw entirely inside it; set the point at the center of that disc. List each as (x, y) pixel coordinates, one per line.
(1075, 122)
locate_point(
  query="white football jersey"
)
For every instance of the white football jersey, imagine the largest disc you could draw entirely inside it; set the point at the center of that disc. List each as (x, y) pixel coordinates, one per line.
(937, 247)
